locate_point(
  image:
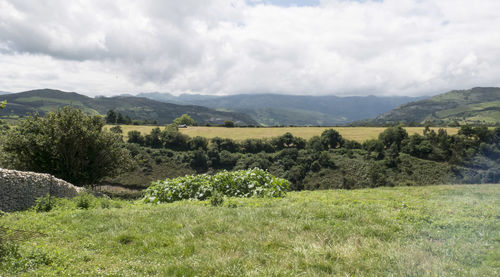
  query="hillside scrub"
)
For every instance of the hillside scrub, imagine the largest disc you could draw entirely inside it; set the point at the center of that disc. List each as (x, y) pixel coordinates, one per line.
(241, 183)
(328, 161)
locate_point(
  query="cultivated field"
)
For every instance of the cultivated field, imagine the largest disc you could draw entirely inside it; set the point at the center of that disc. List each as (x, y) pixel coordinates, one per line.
(402, 231)
(354, 133)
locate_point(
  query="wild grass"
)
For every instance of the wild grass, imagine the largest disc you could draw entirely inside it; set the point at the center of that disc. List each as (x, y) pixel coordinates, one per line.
(402, 231)
(353, 133)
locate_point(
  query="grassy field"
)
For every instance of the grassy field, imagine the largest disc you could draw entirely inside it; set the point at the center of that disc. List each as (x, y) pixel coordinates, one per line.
(403, 231)
(354, 133)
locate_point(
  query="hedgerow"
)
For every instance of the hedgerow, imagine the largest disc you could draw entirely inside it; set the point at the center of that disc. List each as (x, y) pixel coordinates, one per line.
(240, 183)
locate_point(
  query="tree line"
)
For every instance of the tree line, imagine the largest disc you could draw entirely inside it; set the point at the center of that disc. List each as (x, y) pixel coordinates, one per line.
(74, 146)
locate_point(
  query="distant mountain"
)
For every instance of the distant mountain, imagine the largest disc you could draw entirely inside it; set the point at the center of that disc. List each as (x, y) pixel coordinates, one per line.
(476, 105)
(45, 100)
(277, 109)
(4, 92)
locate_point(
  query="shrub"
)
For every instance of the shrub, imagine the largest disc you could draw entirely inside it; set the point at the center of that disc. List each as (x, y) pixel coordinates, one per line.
(217, 199)
(44, 203)
(83, 201)
(242, 183)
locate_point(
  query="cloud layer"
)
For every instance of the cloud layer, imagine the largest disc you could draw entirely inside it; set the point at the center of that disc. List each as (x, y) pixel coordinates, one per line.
(392, 47)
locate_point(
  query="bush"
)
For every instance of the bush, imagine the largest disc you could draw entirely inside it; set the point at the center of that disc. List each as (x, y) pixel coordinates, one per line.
(217, 199)
(84, 200)
(44, 203)
(242, 183)
(228, 123)
(67, 144)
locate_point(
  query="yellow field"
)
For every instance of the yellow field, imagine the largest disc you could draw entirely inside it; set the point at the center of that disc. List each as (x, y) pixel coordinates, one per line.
(354, 133)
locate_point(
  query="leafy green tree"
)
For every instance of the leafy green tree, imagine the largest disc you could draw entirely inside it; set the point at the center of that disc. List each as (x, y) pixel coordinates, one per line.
(393, 135)
(185, 119)
(153, 139)
(120, 119)
(111, 117)
(67, 144)
(198, 143)
(135, 136)
(228, 123)
(116, 129)
(331, 139)
(315, 144)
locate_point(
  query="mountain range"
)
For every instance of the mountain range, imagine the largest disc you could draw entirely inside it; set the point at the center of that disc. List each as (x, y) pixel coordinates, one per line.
(139, 108)
(480, 105)
(279, 109)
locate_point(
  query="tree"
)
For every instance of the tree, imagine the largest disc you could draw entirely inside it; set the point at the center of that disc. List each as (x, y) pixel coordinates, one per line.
(393, 135)
(111, 117)
(135, 136)
(331, 139)
(198, 143)
(67, 144)
(228, 123)
(116, 129)
(185, 119)
(120, 119)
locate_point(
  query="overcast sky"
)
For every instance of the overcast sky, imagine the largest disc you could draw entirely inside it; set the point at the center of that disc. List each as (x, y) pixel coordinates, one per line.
(341, 47)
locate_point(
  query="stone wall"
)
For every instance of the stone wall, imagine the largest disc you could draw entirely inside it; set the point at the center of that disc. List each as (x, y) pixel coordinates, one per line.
(20, 189)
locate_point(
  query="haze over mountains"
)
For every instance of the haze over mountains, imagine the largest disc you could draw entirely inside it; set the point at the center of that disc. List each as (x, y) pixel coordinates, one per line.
(279, 109)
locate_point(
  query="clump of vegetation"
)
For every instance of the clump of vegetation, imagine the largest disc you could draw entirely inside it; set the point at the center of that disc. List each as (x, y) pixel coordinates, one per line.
(217, 199)
(84, 200)
(241, 183)
(44, 203)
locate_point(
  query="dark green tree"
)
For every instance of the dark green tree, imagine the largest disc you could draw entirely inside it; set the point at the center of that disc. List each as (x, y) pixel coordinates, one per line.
(228, 123)
(135, 136)
(111, 117)
(67, 144)
(331, 139)
(393, 135)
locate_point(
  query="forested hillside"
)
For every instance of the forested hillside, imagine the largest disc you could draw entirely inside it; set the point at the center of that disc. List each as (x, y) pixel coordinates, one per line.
(140, 108)
(473, 106)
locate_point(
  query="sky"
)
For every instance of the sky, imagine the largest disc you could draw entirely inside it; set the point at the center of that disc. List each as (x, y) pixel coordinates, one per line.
(310, 47)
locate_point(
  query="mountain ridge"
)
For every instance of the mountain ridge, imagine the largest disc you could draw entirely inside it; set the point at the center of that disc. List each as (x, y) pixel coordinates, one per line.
(281, 109)
(140, 108)
(478, 105)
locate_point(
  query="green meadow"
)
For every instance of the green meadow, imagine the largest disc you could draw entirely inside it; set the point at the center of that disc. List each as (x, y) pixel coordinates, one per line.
(447, 230)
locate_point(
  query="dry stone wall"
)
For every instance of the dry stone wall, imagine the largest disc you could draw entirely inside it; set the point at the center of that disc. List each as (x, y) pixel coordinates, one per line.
(20, 189)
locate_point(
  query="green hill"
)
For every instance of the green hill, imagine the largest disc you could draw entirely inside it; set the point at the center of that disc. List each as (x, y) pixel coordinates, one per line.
(474, 106)
(140, 108)
(277, 109)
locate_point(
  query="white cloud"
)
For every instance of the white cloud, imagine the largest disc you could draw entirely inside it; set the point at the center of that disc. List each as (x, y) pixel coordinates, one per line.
(405, 47)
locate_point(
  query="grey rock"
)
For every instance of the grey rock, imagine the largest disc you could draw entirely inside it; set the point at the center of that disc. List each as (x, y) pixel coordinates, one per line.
(20, 189)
